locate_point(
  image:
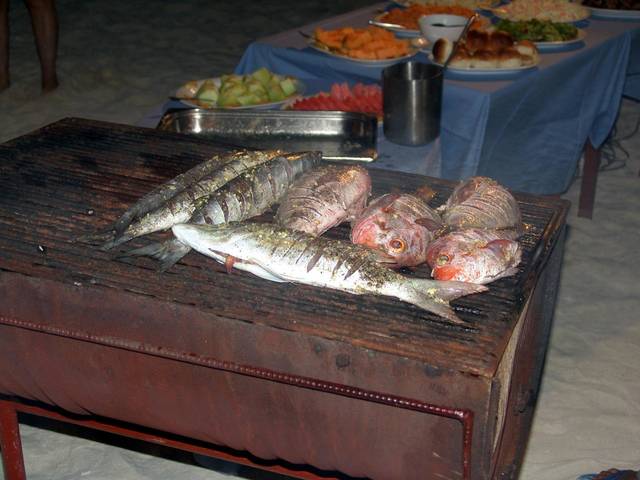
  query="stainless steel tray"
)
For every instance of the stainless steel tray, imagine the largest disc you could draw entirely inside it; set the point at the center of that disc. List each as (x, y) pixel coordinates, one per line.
(338, 135)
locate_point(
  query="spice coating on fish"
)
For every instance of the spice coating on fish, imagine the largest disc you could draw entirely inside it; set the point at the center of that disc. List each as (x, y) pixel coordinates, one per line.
(474, 255)
(480, 202)
(181, 207)
(324, 198)
(278, 254)
(250, 194)
(399, 225)
(169, 189)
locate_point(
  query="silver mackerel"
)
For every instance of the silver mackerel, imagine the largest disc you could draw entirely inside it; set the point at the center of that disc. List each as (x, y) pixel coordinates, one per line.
(275, 253)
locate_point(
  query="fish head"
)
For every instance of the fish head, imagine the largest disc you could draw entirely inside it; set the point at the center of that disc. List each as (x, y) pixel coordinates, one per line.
(381, 227)
(472, 256)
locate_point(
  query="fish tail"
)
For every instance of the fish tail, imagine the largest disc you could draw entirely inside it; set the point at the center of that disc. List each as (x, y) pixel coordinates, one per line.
(436, 295)
(168, 253)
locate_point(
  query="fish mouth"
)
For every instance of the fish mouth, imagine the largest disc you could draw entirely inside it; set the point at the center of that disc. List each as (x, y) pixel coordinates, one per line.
(447, 273)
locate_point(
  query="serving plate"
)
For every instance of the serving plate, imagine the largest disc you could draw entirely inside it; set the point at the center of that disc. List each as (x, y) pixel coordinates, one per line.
(187, 92)
(384, 62)
(474, 5)
(504, 13)
(480, 73)
(614, 14)
(561, 45)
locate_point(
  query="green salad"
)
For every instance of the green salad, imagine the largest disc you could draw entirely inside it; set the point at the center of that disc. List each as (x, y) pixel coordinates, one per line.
(538, 30)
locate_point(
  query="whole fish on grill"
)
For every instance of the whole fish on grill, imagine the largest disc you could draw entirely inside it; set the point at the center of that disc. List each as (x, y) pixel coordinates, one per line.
(282, 255)
(400, 225)
(246, 196)
(171, 188)
(181, 207)
(325, 197)
(474, 255)
(481, 202)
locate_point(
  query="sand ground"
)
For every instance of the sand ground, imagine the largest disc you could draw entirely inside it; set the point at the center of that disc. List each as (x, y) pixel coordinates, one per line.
(120, 59)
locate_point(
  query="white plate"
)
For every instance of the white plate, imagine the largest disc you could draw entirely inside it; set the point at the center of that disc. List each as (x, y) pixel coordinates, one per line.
(561, 45)
(483, 72)
(187, 91)
(363, 61)
(615, 14)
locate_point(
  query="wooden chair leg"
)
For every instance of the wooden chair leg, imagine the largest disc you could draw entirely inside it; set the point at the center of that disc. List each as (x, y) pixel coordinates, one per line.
(12, 459)
(589, 179)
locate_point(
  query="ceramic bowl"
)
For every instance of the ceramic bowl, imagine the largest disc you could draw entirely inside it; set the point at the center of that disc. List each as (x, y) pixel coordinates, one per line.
(438, 26)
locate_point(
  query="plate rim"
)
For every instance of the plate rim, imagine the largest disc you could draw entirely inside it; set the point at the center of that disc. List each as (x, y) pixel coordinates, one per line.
(487, 72)
(613, 13)
(300, 88)
(582, 34)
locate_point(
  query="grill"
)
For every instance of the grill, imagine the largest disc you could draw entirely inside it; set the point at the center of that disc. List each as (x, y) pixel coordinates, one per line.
(76, 177)
(201, 353)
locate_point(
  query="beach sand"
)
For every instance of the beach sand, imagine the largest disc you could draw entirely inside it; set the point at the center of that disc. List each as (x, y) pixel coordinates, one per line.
(121, 59)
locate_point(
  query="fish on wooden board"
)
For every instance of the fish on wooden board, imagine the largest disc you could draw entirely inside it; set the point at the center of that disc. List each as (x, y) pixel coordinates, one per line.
(399, 224)
(180, 208)
(474, 255)
(282, 255)
(246, 196)
(481, 202)
(325, 197)
(159, 195)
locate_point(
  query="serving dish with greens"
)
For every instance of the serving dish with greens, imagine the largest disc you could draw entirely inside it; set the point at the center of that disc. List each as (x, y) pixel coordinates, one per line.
(544, 33)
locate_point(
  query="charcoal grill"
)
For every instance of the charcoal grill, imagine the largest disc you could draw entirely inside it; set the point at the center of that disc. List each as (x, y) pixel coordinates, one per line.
(297, 375)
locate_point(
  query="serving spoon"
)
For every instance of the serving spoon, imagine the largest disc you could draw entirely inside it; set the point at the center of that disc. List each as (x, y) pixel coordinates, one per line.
(463, 34)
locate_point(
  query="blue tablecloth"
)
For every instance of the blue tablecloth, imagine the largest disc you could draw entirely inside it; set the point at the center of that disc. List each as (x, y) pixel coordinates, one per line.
(527, 131)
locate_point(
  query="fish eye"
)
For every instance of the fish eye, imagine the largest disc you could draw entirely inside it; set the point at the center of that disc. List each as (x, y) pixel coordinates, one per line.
(397, 245)
(443, 260)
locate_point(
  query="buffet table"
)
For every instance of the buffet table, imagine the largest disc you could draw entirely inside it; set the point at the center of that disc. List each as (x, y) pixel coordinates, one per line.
(527, 130)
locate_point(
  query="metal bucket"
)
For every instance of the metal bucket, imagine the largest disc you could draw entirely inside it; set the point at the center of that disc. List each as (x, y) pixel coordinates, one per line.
(412, 102)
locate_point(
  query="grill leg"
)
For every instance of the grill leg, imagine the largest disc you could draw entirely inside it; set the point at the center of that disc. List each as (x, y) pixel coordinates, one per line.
(589, 178)
(10, 444)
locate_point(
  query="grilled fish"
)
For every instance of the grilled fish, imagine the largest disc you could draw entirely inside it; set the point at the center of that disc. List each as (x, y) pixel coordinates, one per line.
(474, 255)
(181, 207)
(278, 254)
(324, 198)
(246, 196)
(170, 189)
(400, 225)
(480, 202)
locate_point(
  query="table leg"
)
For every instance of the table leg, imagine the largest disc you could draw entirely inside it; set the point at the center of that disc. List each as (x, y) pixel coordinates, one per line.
(10, 444)
(589, 178)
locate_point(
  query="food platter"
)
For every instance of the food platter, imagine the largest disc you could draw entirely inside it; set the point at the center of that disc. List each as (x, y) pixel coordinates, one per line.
(383, 62)
(473, 4)
(489, 73)
(563, 44)
(614, 14)
(186, 94)
(504, 12)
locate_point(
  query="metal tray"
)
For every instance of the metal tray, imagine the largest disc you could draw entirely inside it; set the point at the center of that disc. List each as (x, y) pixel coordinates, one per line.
(338, 135)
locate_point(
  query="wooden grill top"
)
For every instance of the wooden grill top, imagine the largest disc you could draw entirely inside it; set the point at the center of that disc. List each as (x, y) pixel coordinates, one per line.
(76, 177)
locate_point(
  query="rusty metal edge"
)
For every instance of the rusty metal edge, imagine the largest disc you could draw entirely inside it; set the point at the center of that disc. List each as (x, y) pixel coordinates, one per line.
(464, 416)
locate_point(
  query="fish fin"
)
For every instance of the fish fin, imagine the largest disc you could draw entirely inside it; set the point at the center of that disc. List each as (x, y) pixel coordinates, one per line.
(429, 223)
(228, 263)
(425, 193)
(115, 241)
(434, 296)
(96, 238)
(168, 253)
